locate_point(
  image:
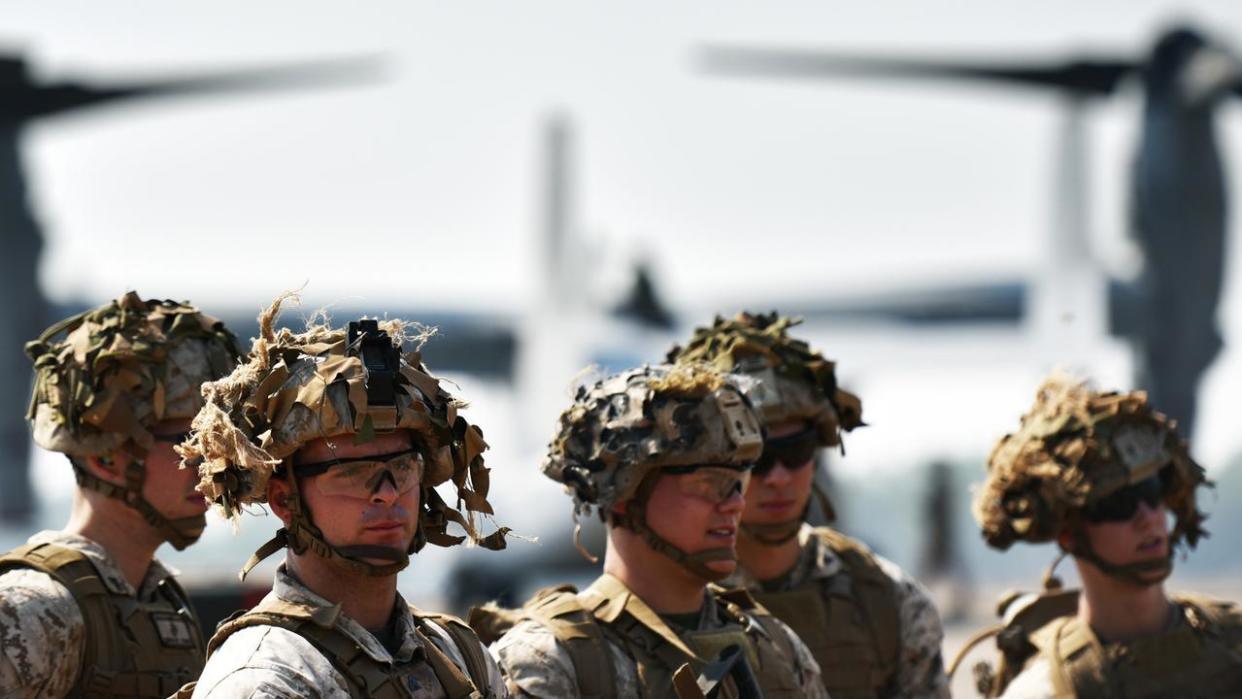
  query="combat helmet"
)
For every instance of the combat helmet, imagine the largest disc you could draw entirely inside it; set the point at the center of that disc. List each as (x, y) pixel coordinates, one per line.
(624, 429)
(1075, 447)
(105, 377)
(294, 388)
(793, 384)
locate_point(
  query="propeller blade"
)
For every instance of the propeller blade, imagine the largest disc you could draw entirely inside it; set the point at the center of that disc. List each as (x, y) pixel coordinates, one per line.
(1089, 76)
(22, 101)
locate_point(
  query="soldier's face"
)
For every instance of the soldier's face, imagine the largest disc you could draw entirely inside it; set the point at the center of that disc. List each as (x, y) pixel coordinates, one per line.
(687, 516)
(780, 494)
(1143, 537)
(168, 487)
(387, 515)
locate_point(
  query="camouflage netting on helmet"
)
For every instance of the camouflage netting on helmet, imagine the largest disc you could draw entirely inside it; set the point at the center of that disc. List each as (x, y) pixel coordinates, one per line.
(627, 425)
(295, 388)
(794, 383)
(1076, 446)
(121, 368)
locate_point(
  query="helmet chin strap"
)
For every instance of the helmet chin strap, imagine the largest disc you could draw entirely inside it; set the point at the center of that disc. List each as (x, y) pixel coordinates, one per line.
(1141, 573)
(696, 563)
(180, 532)
(302, 535)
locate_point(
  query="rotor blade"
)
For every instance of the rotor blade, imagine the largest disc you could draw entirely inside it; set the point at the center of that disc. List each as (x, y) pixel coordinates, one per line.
(1090, 76)
(29, 101)
(1000, 302)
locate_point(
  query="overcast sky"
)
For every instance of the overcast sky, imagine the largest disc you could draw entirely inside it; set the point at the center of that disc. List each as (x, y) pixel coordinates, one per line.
(424, 190)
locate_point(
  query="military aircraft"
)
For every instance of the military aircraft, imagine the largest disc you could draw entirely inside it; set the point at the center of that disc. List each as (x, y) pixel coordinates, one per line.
(1178, 206)
(25, 102)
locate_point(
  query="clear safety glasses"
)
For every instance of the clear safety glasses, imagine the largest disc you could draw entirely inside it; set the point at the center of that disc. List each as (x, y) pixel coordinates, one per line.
(715, 484)
(361, 477)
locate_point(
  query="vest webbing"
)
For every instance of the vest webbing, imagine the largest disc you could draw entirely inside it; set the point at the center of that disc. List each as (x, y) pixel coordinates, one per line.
(124, 652)
(851, 622)
(574, 620)
(1200, 657)
(366, 676)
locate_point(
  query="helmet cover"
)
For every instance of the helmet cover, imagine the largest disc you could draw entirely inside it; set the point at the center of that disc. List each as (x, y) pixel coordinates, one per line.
(635, 422)
(794, 383)
(119, 369)
(295, 388)
(1074, 447)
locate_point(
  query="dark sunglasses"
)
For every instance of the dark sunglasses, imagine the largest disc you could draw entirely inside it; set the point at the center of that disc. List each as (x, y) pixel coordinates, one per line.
(1121, 505)
(795, 451)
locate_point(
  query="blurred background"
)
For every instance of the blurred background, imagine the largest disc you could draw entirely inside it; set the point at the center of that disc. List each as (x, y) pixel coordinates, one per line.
(557, 185)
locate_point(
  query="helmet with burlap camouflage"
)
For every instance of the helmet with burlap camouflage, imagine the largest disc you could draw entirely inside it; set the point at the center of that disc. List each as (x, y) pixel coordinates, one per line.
(1075, 447)
(794, 382)
(296, 388)
(624, 429)
(104, 379)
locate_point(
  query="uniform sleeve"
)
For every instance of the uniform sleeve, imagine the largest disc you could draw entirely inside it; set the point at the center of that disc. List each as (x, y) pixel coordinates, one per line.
(534, 663)
(444, 642)
(921, 671)
(42, 636)
(264, 661)
(810, 678)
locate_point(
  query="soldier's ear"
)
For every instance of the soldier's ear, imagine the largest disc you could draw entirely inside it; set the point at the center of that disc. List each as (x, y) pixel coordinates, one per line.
(106, 467)
(278, 494)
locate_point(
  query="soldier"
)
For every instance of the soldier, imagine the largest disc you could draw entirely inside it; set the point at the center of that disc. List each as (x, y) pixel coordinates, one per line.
(663, 455)
(872, 628)
(1100, 473)
(345, 437)
(88, 611)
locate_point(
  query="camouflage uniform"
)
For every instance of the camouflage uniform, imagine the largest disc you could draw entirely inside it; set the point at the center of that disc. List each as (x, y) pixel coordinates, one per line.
(539, 665)
(920, 670)
(268, 661)
(605, 641)
(103, 380)
(1077, 447)
(37, 612)
(885, 640)
(294, 389)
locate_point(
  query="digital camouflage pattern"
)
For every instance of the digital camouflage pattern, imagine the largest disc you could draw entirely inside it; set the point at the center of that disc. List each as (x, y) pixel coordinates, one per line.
(107, 376)
(919, 672)
(795, 383)
(633, 423)
(537, 663)
(1076, 446)
(295, 388)
(268, 661)
(42, 630)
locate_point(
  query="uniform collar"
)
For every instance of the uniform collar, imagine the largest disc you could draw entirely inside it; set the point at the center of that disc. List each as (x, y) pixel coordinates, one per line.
(608, 597)
(291, 591)
(109, 572)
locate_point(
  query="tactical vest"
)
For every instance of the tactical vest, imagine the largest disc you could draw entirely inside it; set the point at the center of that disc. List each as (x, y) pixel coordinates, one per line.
(850, 621)
(1201, 657)
(606, 612)
(366, 676)
(132, 648)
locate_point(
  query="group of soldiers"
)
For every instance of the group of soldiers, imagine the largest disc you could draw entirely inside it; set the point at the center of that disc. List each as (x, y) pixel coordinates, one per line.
(701, 469)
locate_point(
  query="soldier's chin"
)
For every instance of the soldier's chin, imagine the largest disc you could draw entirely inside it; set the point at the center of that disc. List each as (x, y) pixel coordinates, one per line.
(721, 568)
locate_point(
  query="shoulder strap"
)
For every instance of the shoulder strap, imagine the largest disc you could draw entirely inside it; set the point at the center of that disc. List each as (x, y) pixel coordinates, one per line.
(578, 632)
(873, 589)
(1079, 668)
(365, 677)
(467, 643)
(74, 570)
